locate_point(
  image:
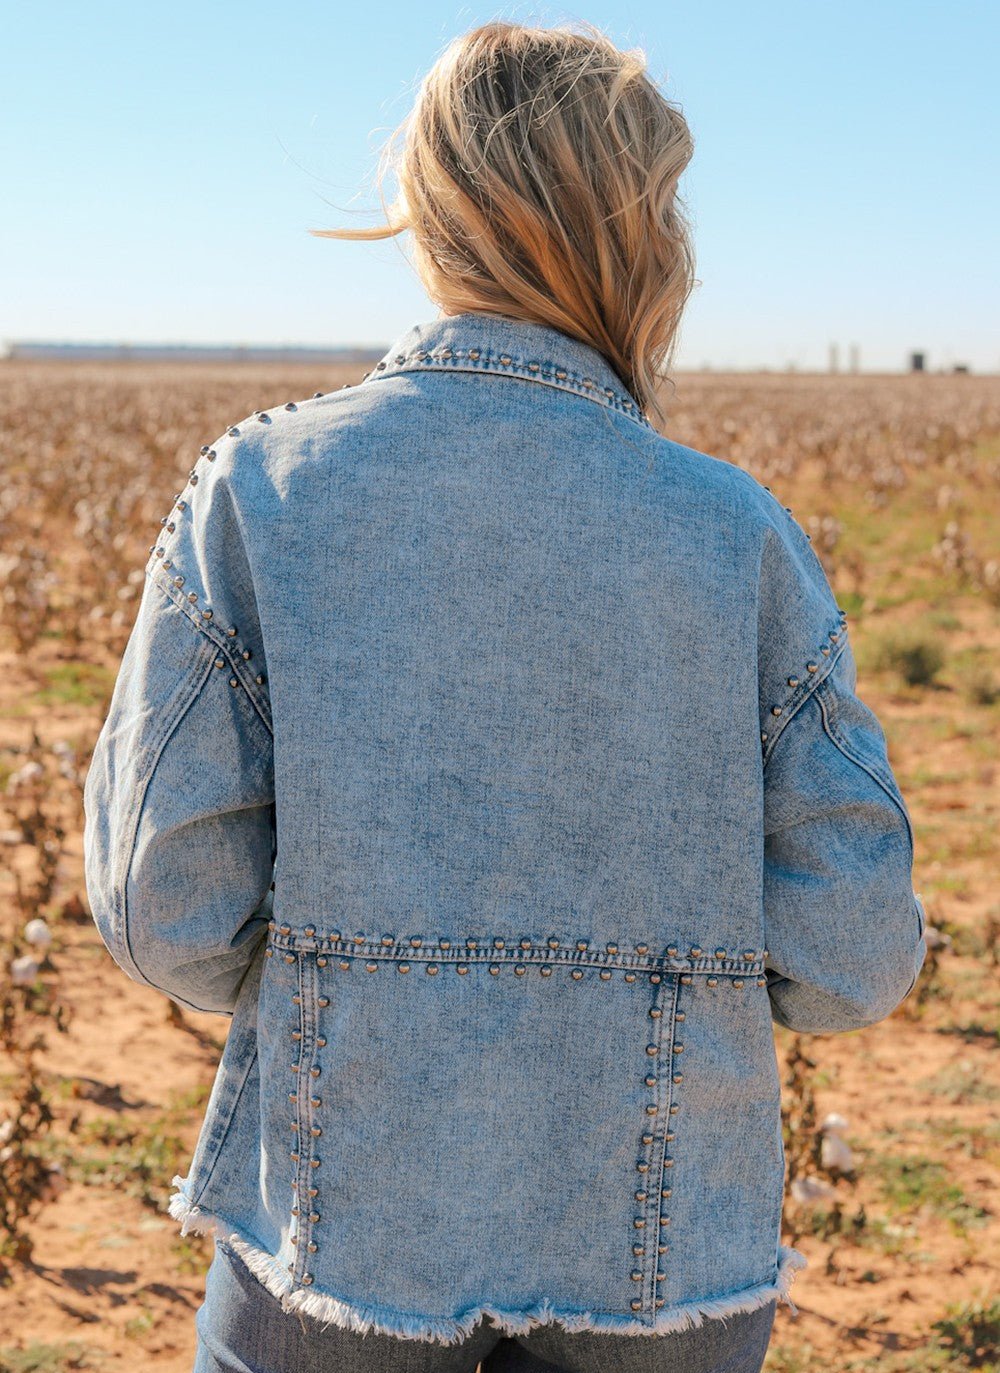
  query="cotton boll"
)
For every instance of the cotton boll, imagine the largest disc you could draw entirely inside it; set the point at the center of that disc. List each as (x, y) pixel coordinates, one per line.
(23, 970)
(835, 1153)
(834, 1121)
(38, 933)
(812, 1189)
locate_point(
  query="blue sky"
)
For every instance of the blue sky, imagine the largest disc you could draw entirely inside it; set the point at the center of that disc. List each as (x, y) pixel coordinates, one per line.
(162, 165)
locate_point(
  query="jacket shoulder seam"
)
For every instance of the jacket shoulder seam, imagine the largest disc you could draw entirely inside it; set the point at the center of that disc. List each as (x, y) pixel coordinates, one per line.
(816, 669)
(209, 631)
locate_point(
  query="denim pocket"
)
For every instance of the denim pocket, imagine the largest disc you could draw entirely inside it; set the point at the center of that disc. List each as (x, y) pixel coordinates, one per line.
(516, 1098)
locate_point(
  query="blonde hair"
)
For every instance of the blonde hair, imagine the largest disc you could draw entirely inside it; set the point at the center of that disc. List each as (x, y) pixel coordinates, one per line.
(539, 178)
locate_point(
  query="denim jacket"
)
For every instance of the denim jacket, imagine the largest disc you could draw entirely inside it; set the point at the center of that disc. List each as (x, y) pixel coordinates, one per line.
(496, 764)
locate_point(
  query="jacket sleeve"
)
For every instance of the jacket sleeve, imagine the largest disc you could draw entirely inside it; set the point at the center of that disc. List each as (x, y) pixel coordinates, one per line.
(179, 816)
(843, 926)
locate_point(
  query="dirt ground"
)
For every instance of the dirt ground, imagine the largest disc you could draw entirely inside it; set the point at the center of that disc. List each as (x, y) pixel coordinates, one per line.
(900, 484)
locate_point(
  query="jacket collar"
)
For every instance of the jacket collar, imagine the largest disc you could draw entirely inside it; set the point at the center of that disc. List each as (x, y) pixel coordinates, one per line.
(501, 346)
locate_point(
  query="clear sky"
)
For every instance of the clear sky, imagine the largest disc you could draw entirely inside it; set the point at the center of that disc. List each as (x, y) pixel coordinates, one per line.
(162, 163)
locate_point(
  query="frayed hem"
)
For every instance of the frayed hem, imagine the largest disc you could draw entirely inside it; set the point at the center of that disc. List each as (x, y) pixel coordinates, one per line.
(362, 1319)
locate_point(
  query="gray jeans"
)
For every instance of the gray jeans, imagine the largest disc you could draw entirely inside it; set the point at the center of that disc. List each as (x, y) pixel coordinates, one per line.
(242, 1329)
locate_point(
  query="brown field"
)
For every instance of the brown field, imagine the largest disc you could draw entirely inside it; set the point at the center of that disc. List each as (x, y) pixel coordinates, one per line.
(103, 1082)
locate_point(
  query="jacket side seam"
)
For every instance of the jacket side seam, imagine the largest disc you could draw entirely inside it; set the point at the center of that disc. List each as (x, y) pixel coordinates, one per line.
(217, 1149)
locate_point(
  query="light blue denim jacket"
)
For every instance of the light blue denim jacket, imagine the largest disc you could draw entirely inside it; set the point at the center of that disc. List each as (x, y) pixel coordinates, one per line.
(496, 763)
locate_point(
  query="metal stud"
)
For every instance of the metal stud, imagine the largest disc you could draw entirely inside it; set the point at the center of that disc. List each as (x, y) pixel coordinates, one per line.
(232, 431)
(763, 738)
(655, 1012)
(403, 967)
(612, 948)
(811, 667)
(636, 1305)
(474, 353)
(737, 982)
(630, 977)
(321, 961)
(371, 967)
(604, 974)
(793, 681)
(494, 969)
(462, 969)
(431, 968)
(652, 1049)
(775, 710)
(519, 970)
(576, 973)
(545, 970)
(642, 948)
(553, 943)
(713, 981)
(290, 405)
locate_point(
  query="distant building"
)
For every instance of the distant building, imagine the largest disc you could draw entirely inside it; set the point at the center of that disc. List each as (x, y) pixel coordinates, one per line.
(193, 352)
(916, 362)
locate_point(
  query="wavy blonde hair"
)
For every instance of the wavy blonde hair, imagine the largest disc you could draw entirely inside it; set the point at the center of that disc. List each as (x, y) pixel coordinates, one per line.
(539, 178)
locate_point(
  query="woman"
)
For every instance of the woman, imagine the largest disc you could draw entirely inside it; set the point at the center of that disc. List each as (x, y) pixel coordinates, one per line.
(496, 764)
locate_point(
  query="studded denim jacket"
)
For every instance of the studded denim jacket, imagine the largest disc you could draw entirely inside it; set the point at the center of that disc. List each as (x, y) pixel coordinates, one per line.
(496, 764)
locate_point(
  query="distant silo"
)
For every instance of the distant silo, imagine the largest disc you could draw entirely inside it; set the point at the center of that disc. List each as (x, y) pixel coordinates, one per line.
(916, 362)
(855, 358)
(834, 357)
